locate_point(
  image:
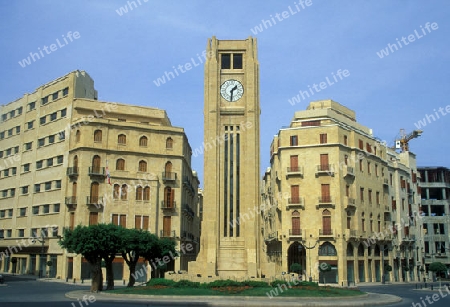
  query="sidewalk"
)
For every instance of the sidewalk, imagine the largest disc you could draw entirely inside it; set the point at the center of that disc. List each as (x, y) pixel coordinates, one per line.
(370, 299)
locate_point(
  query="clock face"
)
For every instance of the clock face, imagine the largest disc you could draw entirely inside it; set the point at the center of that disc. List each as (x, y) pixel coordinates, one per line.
(232, 90)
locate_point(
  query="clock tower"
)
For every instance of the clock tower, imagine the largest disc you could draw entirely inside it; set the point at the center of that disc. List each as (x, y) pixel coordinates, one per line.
(230, 240)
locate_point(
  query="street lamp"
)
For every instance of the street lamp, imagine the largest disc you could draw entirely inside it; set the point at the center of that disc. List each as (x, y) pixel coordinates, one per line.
(309, 247)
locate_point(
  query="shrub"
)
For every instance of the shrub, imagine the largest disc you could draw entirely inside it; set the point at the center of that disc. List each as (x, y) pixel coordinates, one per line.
(161, 282)
(254, 283)
(186, 284)
(222, 283)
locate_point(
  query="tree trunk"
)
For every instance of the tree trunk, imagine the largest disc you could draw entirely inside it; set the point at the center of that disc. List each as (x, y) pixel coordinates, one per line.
(109, 274)
(96, 272)
(132, 267)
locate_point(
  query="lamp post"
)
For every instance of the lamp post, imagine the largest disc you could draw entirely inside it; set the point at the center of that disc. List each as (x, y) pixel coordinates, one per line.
(383, 249)
(309, 247)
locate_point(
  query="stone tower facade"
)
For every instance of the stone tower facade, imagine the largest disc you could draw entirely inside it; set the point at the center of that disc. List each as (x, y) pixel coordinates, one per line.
(229, 241)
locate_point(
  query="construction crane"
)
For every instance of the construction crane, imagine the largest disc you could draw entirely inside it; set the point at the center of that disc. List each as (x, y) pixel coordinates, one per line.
(405, 138)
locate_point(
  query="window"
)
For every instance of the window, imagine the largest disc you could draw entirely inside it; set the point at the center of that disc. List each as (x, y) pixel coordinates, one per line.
(6, 173)
(36, 210)
(146, 193)
(10, 132)
(377, 197)
(295, 194)
(361, 144)
(369, 147)
(124, 191)
(4, 117)
(327, 249)
(62, 135)
(26, 167)
(361, 194)
(347, 190)
(141, 222)
(48, 185)
(19, 111)
(1, 154)
(326, 222)
(28, 145)
(51, 139)
(323, 138)
(63, 112)
(32, 106)
(8, 152)
(16, 149)
(17, 129)
(12, 193)
(119, 220)
(46, 208)
(345, 140)
(142, 166)
(41, 142)
(58, 184)
(361, 165)
(30, 124)
(42, 120)
(346, 160)
(169, 143)
(65, 91)
(25, 190)
(39, 164)
(77, 136)
(56, 207)
(97, 136)
(53, 116)
(225, 61)
(22, 211)
(376, 170)
(294, 140)
(59, 159)
(368, 167)
(12, 113)
(122, 139)
(2, 215)
(370, 197)
(116, 192)
(50, 162)
(311, 123)
(14, 171)
(139, 192)
(44, 100)
(237, 61)
(120, 165)
(2, 135)
(93, 218)
(143, 141)
(55, 95)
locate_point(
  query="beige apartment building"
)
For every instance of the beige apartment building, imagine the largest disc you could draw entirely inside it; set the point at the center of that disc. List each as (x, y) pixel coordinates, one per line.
(69, 159)
(334, 193)
(434, 210)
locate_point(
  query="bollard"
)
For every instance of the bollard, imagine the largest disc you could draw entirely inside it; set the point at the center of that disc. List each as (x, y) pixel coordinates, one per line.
(124, 282)
(74, 280)
(67, 279)
(82, 281)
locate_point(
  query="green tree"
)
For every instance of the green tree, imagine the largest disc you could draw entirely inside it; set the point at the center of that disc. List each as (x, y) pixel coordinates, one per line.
(95, 242)
(137, 243)
(161, 253)
(324, 267)
(296, 268)
(437, 267)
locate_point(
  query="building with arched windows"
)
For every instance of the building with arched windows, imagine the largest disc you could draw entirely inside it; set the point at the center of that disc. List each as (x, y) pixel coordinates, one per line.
(84, 161)
(335, 194)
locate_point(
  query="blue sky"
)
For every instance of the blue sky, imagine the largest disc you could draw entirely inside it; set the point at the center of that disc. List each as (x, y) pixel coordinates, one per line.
(124, 53)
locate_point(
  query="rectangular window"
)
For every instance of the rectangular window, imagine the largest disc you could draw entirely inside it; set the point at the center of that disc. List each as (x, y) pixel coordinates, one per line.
(368, 167)
(48, 185)
(376, 170)
(370, 197)
(311, 123)
(58, 184)
(44, 100)
(16, 149)
(56, 207)
(46, 208)
(59, 159)
(32, 106)
(345, 140)
(93, 218)
(6, 173)
(378, 198)
(22, 211)
(8, 152)
(25, 190)
(17, 129)
(361, 144)
(294, 140)
(14, 171)
(361, 194)
(28, 145)
(62, 135)
(237, 61)
(50, 162)
(19, 111)
(39, 164)
(2, 135)
(51, 139)
(10, 132)
(36, 210)
(41, 142)
(53, 116)
(347, 190)
(66, 91)
(55, 95)
(30, 124)
(323, 138)
(26, 167)
(63, 112)
(12, 193)
(225, 61)
(42, 120)
(361, 165)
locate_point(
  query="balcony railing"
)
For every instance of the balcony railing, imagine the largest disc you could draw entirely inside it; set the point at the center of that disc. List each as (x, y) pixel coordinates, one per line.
(294, 170)
(168, 204)
(386, 181)
(295, 232)
(350, 171)
(167, 233)
(325, 200)
(272, 236)
(326, 232)
(169, 176)
(94, 200)
(325, 169)
(71, 200)
(351, 202)
(72, 171)
(96, 171)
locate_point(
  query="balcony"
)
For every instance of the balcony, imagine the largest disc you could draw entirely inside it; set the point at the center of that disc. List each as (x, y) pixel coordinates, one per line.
(296, 202)
(387, 209)
(272, 236)
(169, 176)
(167, 233)
(169, 205)
(295, 233)
(326, 233)
(351, 203)
(187, 211)
(94, 200)
(349, 171)
(72, 171)
(409, 238)
(350, 233)
(96, 171)
(188, 185)
(71, 202)
(325, 169)
(325, 202)
(294, 171)
(386, 182)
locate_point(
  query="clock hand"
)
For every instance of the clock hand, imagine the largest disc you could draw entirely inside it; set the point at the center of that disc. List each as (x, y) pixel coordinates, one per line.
(231, 92)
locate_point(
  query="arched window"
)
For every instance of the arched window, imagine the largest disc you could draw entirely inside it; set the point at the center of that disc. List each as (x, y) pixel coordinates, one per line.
(377, 251)
(77, 136)
(361, 250)
(124, 192)
(97, 136)
(139, 191)
(169, 195)
(296, 223)
(122, 139)
(74, 189)
(116, 192)
(143, 141)
(75, 162)
(326, 222)
(96, 162)
(142, 166)
(169, 143)
(120, 165)
(363, 222)
(146, 193)
(350, 249)
(168, 170)
(327, 249)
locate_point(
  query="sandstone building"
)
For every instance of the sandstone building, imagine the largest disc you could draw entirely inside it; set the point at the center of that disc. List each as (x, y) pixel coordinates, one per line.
(68, 159)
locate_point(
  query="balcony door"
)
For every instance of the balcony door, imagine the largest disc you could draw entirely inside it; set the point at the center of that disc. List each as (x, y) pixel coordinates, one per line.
(167, 226)
(296, 223)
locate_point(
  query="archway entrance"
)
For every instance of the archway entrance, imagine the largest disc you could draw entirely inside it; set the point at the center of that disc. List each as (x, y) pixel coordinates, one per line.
(296, 254)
